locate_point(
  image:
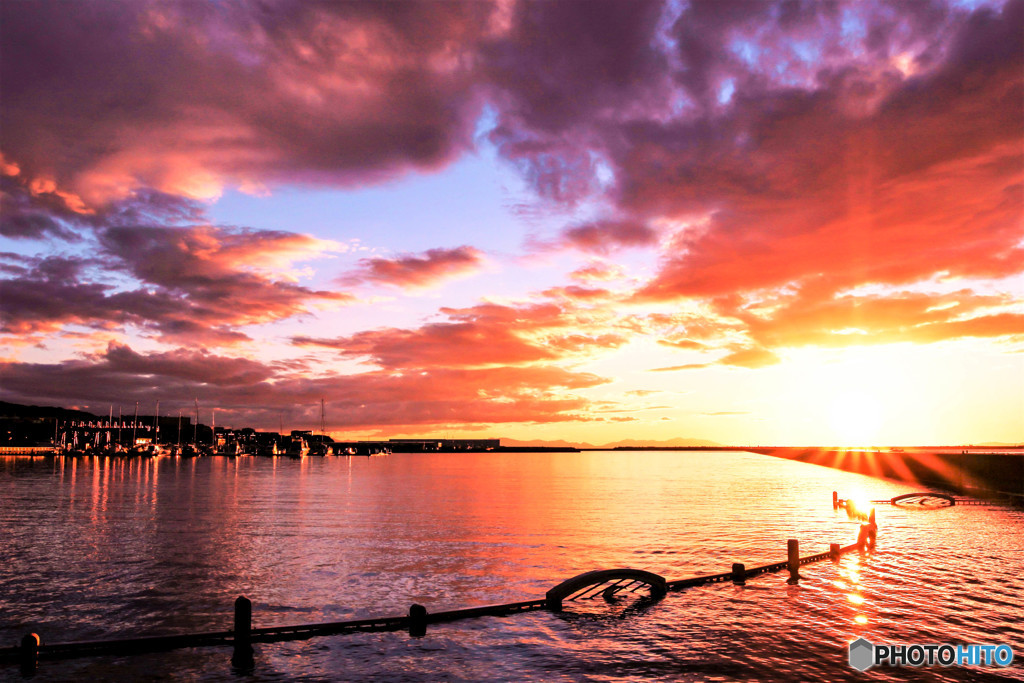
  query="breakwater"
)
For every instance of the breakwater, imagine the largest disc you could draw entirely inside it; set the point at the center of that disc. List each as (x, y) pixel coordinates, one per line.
(982, 473)
(609, 585)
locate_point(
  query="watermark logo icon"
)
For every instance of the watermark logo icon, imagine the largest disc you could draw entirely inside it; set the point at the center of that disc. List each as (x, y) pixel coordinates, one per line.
(862, 654)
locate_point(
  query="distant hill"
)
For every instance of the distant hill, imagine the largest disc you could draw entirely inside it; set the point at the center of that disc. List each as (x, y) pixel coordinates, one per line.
(538, 443)
(22, 425)
(625, 443)
(18, 411)
(670, 443)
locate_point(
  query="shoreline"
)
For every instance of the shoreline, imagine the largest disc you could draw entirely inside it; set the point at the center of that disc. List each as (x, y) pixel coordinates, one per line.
(981, 472)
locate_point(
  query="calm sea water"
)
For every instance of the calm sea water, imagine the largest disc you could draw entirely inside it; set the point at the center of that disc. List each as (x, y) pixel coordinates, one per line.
(99, 548)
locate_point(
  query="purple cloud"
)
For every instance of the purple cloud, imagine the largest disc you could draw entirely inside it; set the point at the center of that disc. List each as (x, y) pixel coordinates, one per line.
(414, 271)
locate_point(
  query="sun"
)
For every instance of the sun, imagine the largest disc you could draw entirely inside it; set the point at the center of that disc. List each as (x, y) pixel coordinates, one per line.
(856, 418)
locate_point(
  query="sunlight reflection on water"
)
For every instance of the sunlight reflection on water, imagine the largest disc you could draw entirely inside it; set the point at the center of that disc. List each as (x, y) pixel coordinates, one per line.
(99, 548)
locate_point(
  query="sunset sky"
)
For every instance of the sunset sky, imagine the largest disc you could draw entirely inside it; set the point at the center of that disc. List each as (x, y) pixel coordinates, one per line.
(746, 222)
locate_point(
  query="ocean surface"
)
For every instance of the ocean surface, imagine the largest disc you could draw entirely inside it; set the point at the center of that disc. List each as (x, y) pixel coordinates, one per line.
(99, 548)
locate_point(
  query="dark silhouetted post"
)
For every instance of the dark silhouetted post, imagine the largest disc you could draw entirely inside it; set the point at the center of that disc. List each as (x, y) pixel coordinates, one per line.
(417, 621)
(29, 655)
(242, 657)
(833, 550)
(835, 500)
(793, 552)
(872, 529)
(739, 573)
(862, 536)
(553, 602)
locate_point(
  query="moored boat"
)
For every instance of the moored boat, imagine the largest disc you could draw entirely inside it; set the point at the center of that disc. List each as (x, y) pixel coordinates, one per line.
(297, 448)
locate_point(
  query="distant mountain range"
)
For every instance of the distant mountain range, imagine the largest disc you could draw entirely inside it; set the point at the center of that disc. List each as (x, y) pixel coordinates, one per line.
(18, 411)
(625, 443)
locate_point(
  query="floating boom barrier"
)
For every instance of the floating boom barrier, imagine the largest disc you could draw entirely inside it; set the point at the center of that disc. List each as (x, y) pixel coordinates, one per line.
(919, 499)
(609, 585)
(930, 500)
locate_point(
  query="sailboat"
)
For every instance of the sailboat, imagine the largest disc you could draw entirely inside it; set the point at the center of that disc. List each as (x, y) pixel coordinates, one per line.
(320, 447)
(153, 448)
(192, 450)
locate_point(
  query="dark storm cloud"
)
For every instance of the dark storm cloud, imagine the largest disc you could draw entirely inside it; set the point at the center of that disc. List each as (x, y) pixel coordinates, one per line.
(103, 98)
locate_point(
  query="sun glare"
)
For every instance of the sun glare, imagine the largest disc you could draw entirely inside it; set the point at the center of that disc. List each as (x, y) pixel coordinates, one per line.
(856, 418)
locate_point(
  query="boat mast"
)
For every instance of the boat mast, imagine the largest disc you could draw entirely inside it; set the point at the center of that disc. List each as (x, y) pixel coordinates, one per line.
(179, 427)
(322, 419)
(110, 426)
(135, 423)
(195, 430)
(213, 429)
(156, 425)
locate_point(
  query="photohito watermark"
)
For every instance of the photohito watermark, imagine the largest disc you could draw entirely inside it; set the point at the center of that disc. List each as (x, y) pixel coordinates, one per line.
(864, 654)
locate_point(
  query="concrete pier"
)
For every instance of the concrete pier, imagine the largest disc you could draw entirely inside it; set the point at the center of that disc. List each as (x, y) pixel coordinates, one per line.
(987, 474)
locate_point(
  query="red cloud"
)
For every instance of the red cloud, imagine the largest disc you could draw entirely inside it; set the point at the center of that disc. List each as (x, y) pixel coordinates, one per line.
(815, 318)
(482, 336)
(409, 271)
(578, 293)
(752, 357)
(797, 186)
(467, 344)
(598, 271)
(688, 344)
(896, 317)
(243, 394)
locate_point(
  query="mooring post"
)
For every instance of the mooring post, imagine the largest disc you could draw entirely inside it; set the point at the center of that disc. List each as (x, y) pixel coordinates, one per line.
(29, 654)
(833, 550)
(739, 573)
(835, 500)
(242, 657)
(417, 621)
(862, 537)
(872, 529)
(793, 553)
